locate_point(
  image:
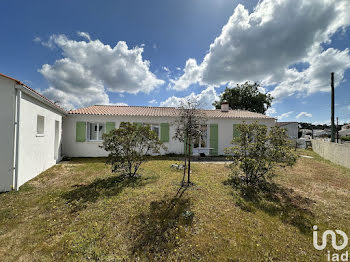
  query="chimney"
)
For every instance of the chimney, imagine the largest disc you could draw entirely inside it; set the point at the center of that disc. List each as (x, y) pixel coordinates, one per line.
(224, 106)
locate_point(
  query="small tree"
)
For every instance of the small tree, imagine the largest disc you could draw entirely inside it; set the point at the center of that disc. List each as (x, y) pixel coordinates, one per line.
(256, 152)
(128, 146)
(188, 128)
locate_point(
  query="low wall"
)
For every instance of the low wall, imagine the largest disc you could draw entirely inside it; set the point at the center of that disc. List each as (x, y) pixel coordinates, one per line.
(336, 153)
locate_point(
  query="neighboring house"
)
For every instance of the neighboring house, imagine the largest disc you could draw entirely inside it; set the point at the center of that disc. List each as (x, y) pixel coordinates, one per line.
(36, 133)
(321, 133)
(31, 133)
(306, 133)
(345, 131)
(291, 129)
(83, 128)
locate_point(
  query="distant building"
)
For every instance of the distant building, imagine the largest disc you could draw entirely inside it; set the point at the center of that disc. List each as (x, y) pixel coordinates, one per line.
(345, 131)
(291, 128)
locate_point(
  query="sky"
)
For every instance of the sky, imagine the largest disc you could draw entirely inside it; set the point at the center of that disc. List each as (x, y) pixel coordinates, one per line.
(157, 52)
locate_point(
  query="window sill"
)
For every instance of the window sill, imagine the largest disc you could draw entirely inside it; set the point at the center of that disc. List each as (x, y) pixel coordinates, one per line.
(39, 135)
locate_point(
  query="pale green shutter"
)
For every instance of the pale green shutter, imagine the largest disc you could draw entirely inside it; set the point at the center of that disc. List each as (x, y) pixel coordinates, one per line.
(80, 135)
(164, 132)
(236, 132)
(110, 126)
(214, 139)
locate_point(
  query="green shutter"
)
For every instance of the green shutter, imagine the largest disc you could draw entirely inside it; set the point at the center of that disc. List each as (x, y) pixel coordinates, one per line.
(214, 139)
(164, 132)
(80, 135)
(236, 132)
(110, 126)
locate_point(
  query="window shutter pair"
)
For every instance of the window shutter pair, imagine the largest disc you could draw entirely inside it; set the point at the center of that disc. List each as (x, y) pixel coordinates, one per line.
(214, 139)
(80, 135)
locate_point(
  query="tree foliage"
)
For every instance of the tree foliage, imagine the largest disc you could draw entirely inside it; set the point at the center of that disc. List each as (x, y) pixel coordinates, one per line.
(246, 97)
(187, 129)
(257, 152)
(129, 145)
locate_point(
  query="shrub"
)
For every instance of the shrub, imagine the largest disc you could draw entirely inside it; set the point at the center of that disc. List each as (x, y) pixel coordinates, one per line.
(129, 145)
(257, 152)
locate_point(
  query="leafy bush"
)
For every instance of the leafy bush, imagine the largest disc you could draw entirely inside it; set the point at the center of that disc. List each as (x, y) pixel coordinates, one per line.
(345, 138)
(257, 152)
(129, 145)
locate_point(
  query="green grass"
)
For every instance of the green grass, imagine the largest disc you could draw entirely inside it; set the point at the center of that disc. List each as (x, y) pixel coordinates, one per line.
(79, 211)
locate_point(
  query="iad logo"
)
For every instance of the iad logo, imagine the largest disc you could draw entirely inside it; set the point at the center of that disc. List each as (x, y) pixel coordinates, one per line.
(335, 256)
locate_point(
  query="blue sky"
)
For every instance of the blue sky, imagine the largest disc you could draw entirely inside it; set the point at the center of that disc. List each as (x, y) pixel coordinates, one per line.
(173, 49)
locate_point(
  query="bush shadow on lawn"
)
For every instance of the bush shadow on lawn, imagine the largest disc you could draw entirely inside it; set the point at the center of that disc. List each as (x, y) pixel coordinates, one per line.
(102, 187)
(275, 200)
(159, 230)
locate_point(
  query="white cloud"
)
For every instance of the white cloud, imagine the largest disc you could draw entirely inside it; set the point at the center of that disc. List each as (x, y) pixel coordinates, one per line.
(90, 68)
(191, 75)
(271, 111)
(118, 104)
(266, 44)
(205, 99)
(84, 35)
(303, 114)
(166, 69)
(348, 107)
(285, 115)
(37, 39)
(178, 68)
(153, 101)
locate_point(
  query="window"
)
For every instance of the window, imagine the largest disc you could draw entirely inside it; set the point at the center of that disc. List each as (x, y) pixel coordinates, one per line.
(40, 125)
(155, 128)
(202, 141)
(95, 131)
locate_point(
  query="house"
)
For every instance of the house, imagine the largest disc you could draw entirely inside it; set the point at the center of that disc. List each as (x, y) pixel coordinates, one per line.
(291, 128)
(83, 128)
(31, 133)
(36, 133)
(345, 131)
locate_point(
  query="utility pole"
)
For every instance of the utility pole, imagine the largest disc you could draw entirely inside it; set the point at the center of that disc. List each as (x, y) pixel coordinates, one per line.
(332, 109)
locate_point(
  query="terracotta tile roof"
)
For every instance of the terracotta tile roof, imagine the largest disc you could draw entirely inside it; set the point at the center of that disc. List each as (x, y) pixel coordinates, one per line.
(160, 112)
(34, 92)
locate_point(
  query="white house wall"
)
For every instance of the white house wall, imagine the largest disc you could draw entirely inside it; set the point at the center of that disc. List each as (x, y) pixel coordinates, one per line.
(7, 119)
(72, 148)
(36, 153)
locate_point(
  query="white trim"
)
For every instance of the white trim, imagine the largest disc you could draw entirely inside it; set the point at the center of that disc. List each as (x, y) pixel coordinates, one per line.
(97, 132)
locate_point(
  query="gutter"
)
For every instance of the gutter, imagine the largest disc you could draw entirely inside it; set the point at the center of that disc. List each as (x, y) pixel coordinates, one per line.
(16, 144)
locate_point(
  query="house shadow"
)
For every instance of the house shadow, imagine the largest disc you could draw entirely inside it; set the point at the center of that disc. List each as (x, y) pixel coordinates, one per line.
(82, 194)
(159, 230)
(275, 200)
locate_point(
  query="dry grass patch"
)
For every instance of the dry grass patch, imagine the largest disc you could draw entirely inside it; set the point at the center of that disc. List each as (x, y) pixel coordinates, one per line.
(79, 211)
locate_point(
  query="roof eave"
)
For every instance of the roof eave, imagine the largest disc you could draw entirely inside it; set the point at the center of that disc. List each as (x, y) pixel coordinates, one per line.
(41, 99)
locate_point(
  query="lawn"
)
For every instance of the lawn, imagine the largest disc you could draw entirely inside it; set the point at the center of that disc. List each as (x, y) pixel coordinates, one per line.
(79, 211)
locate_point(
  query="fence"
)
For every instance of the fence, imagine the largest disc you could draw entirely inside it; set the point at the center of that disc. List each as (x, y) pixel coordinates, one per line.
(336, 153)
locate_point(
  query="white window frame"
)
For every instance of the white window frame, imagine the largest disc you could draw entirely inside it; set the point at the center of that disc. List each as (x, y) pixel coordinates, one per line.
(153, 125)
(156, 125)
(43, 127)
(88, 131)
(200, 140)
